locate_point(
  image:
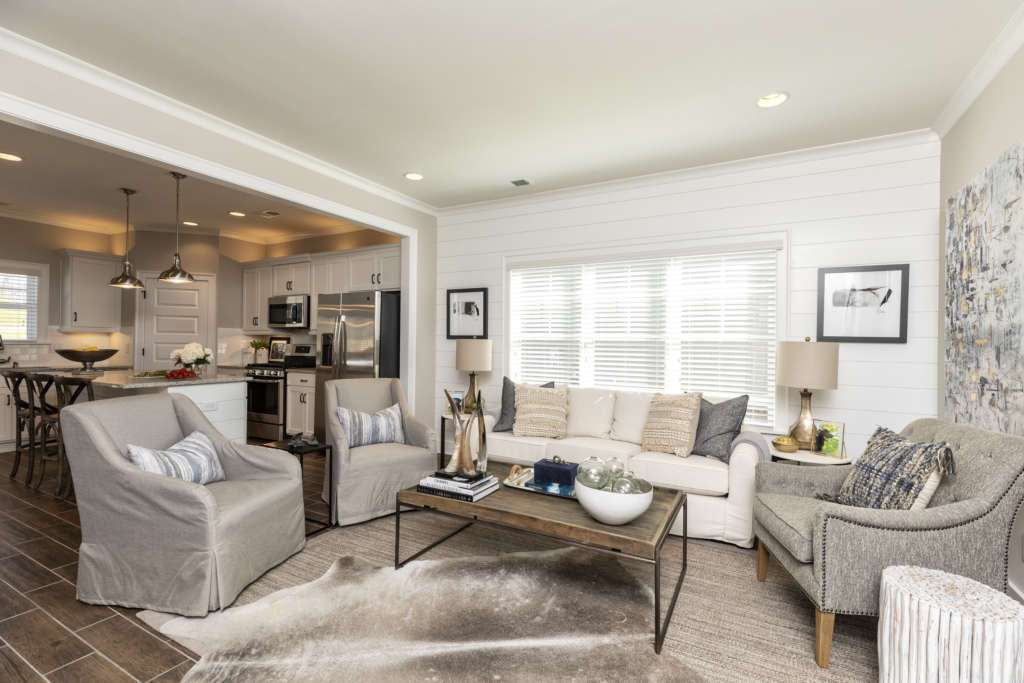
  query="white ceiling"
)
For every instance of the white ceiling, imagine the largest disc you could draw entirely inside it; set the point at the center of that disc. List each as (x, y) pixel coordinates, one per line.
(473, 94)
(73, 185)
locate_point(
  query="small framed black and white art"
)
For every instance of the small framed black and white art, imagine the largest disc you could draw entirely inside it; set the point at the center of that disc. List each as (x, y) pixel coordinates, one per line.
(863, 304)
(467, 313)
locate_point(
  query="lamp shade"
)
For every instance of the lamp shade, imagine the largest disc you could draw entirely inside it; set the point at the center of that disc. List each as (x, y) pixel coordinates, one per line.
(473, 355)
(808, 365)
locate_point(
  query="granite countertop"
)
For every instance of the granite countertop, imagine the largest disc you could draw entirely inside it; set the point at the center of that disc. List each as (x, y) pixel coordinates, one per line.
(125, 380)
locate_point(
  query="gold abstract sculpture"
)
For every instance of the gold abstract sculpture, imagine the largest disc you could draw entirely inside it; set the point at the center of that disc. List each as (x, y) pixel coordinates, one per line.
(463, 460)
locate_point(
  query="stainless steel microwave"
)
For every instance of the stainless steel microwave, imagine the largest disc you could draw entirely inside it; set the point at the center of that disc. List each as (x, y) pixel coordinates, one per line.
(289, 311)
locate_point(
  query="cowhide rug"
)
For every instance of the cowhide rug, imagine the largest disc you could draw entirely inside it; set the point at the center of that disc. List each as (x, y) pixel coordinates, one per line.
(552, 615)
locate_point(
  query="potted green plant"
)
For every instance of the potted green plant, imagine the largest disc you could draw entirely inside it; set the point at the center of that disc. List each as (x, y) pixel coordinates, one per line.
(261, 349)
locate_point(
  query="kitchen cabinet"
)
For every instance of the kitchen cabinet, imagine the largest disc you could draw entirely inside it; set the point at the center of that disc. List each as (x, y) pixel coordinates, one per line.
(376, 270)
(257, 288)
(299, 409)
(291, 278)
(7, 415)
(329, 277)
(88, 302)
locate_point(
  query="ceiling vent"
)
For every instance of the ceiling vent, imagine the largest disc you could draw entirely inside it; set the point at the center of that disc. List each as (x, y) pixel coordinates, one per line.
(269, 215)
(520, 182)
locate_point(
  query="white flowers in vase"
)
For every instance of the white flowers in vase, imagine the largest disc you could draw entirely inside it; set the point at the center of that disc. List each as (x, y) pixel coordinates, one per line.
(192, 356)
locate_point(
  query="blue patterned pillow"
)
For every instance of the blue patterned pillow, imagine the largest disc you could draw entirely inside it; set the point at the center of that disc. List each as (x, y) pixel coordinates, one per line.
(892, 472)
(366, 429)
(193, 459)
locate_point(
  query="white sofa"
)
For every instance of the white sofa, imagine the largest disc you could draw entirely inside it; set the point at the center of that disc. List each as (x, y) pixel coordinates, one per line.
(604, 423)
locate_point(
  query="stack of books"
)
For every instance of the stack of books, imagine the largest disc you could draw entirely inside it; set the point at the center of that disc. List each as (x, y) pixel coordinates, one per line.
(459, 487)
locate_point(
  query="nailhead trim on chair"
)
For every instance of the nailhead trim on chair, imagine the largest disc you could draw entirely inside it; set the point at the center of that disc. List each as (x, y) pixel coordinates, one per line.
(1006, 551)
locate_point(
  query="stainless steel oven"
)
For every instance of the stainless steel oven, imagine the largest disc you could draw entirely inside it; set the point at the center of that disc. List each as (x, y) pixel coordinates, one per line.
(266, 384)
(288, 311)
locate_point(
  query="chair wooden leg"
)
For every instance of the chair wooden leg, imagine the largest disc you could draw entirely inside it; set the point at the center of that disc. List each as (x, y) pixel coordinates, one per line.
(824, 622)
(18, 445)
(762, 561)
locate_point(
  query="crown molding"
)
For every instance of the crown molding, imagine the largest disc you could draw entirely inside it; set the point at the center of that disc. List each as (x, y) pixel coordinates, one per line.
(50, 58)
(999, 53)
(457, 214)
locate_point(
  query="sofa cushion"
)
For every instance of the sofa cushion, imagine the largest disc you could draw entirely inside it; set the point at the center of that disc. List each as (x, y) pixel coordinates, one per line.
(590, 412)
(541, 412)
(790, 521)
(630, 415)
(579, 448)
(719, 425)
(672, 423)
(520, 450)
(695, 474)
(390, 456)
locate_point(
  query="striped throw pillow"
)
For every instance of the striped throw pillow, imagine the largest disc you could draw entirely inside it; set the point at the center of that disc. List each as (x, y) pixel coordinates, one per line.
(541, 412)
(193, 459)
(365, 429)
(672, 424)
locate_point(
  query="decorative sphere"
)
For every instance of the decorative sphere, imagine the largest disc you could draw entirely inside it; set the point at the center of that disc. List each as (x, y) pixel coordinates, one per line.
(615, 467)
(625, 485)
(593, 472)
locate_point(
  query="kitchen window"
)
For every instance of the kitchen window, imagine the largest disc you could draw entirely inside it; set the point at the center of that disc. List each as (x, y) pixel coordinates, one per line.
(702, 323)
(22, 288)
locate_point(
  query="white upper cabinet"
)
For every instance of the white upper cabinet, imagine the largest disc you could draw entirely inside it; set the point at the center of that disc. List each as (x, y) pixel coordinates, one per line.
(292, 278)
(7, 415)
(257, 288)
(88, 302)
(376, 270)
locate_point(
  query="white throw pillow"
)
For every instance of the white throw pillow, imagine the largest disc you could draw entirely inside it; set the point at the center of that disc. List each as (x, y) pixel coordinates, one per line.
(366, 429)
(590, 412)
(193, 459)
(927, 491)
(630, 415)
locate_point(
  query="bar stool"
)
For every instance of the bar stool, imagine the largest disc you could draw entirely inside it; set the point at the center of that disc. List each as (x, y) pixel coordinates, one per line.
(69, 390)
(23, 424)
(43, 416)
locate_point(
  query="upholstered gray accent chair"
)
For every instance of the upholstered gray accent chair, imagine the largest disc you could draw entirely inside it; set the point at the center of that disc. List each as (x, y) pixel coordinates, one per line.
(836, 553)
(369, 477)
(155, 542)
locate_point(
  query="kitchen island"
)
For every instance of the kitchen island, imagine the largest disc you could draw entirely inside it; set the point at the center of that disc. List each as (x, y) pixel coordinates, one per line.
(221, 397)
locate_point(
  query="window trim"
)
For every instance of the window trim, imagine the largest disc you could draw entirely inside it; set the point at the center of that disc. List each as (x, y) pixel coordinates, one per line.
(42, 271)
(778, 241)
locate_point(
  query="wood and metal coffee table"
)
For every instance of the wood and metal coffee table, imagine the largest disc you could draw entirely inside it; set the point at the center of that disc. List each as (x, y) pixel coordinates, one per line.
(565, 521)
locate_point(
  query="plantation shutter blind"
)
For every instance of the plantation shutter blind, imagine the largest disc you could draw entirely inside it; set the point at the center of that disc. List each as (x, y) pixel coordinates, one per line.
(19, 306)
(702, 323)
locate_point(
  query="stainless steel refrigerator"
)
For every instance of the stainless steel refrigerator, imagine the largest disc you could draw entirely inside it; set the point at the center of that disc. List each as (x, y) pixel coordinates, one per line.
(358, 336)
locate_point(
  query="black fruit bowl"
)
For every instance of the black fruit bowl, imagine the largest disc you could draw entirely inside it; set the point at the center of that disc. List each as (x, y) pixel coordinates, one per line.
(86, 358)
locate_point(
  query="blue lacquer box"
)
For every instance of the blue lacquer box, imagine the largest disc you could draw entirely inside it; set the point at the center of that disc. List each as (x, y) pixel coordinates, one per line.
(554, 471)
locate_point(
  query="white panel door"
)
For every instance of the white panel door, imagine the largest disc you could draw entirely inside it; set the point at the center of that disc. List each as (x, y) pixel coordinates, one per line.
(173, 315)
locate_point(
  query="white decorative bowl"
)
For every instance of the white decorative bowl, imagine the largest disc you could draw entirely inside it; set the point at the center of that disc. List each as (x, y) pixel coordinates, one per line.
(613, 508)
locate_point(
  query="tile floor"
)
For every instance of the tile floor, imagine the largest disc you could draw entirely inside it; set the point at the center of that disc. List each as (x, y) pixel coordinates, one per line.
(45, 633)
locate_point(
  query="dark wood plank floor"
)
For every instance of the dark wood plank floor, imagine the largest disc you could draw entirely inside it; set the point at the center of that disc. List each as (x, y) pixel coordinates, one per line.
(48, 635)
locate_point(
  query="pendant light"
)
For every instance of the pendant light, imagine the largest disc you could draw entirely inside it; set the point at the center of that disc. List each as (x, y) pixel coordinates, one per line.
(127, 279)
(176, 273)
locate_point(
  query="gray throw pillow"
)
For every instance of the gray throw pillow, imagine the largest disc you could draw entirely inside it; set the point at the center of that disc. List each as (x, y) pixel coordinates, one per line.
(720, 424)
(192, 459)
(507, 418)
(892, 471)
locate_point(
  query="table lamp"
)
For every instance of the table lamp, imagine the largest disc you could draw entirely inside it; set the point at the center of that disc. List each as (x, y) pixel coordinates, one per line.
(807, 365)
(472, 356)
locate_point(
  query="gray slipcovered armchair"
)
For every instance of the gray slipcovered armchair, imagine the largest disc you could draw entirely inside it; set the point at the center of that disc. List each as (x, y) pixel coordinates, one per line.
(368, 477)
(836, 553)
(155, 542)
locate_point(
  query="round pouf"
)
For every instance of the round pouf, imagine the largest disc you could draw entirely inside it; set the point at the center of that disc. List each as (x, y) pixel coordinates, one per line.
(935, 626)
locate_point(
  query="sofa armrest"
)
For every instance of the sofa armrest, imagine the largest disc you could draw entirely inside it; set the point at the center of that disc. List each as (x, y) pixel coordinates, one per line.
(417, 433)
(800, 480)
(241, 461)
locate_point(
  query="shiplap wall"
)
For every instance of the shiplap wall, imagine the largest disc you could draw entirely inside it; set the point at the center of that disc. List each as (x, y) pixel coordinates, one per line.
(858, 203)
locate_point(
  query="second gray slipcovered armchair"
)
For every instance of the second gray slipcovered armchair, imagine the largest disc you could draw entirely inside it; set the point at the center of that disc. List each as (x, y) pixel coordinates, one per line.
(159, 543)
(368, 477)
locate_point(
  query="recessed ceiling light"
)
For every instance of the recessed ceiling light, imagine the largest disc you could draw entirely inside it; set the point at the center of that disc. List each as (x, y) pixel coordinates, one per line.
(269, 214)
(520, 182)
(772, 99)
(9, 157)
(237, 214)
(412, 175)
(191, 224)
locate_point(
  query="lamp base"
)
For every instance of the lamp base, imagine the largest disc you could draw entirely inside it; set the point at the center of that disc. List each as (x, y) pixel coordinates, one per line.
(803, 430)
(469, 403)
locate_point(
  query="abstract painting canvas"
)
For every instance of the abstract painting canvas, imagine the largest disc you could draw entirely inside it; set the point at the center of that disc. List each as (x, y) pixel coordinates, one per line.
(984, 298)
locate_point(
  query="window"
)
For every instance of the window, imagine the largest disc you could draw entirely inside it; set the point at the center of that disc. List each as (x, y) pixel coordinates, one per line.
(19, 304)
(684, 323)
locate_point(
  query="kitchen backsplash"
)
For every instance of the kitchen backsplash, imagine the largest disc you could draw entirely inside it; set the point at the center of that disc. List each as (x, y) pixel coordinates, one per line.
(43, 354)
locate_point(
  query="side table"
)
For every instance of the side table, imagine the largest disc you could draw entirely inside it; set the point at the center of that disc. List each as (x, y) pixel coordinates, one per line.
(803, 457)
(300, 450)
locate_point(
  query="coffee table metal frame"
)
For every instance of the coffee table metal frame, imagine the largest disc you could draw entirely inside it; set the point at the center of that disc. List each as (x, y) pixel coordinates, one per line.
(660, 625)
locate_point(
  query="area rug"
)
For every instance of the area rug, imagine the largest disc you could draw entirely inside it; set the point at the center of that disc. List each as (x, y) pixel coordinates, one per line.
(563, 614)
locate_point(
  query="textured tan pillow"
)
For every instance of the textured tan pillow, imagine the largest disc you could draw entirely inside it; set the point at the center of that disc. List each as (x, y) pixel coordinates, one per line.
(671, 424)
(541, 412)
